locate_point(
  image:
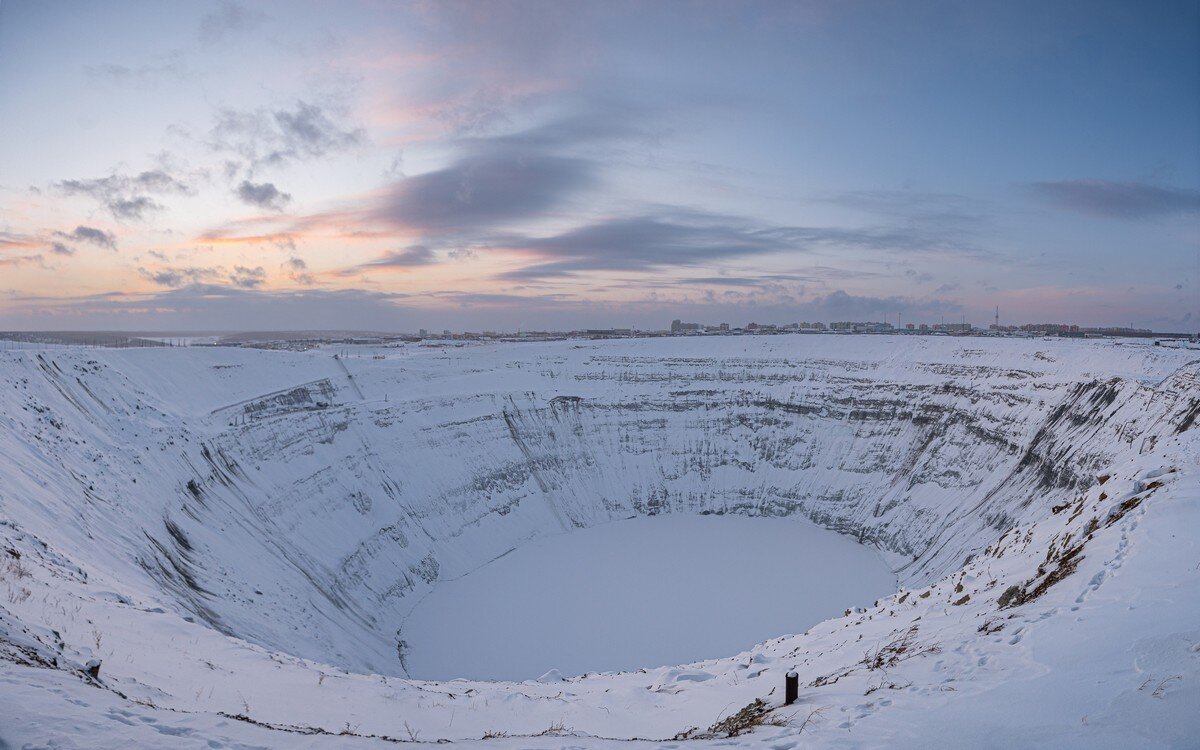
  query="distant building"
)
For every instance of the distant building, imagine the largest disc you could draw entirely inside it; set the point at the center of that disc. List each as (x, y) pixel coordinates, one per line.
(1118, 331)
(761, 327)
(952, 327)
(1050, 328)
(609, 331)
(1071, 330)
(846, 326)
(678, 326)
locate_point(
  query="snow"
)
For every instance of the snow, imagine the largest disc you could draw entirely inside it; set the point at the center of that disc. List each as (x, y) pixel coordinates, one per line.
(240, 535)
(641, 592)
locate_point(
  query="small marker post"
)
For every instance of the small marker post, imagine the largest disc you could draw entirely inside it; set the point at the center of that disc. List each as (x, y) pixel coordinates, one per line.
(791, 688)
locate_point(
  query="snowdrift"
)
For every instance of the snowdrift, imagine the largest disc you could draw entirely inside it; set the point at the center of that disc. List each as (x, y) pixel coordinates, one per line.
(238, 535)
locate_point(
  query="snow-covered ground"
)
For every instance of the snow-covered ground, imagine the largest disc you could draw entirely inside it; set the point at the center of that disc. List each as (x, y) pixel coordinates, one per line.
(239, 536)
(639, 593)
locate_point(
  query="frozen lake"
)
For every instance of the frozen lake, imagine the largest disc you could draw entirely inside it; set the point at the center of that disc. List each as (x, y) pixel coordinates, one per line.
(643, 592)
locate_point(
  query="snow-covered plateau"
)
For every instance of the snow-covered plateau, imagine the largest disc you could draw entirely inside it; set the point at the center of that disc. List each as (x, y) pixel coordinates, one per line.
(217, 547)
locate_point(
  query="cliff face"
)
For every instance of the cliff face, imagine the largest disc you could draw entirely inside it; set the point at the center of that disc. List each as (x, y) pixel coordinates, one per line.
(306, 503)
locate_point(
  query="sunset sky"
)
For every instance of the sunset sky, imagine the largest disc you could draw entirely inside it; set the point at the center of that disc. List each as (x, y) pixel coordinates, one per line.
(503, 165)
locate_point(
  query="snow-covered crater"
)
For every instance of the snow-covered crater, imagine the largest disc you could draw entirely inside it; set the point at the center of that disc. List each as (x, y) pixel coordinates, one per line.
(305, 503)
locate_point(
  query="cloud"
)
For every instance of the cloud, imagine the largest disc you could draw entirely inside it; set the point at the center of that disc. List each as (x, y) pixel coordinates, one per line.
(21, 260)
(646, 243)
(193, 306)
(263, 195)
(492, 184)
(721, 281)
(177, 277)
(133, 208)
(297, 271)
(909, 205)
(499, 300)
(839, 305)
(310, 131)
(59, 248)
(97, 237)
(282, 136)
(821, 275)
(281, 231)
(672, 238)
(600, 122)
(171, 68)
(501, 182)
(228, 18)
(248, 278)
(125, 196)
(16, 241)
(498, 180)
(482, 192)
(904, 239)
(412, 256)
(1118, 200)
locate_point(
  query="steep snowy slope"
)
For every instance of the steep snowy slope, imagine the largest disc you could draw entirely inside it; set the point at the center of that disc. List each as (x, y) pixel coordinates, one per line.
(216, 524)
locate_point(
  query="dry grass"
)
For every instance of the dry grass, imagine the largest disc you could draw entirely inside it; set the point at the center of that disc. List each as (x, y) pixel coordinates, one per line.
(556, 729)
(753, 714)
(901, 647)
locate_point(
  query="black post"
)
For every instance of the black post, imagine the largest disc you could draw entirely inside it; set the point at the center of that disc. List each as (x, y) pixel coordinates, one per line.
(791, 687)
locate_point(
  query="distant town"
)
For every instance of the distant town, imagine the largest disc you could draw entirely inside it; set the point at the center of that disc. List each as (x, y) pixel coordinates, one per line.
(299, 340)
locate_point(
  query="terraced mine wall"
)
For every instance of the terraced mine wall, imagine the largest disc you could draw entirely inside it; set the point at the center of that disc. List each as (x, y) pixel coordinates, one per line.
(247, 484)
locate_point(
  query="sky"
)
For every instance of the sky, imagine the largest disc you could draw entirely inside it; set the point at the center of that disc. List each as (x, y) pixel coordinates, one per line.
(532, 165)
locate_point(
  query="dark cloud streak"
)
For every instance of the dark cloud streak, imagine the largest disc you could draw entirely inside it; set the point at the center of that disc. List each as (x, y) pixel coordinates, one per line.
(263, 195)
(1118, 200)
(673, 239)
(413, 256)
(177, 277)
(127, 197)
(482, 192)
(95, 236)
